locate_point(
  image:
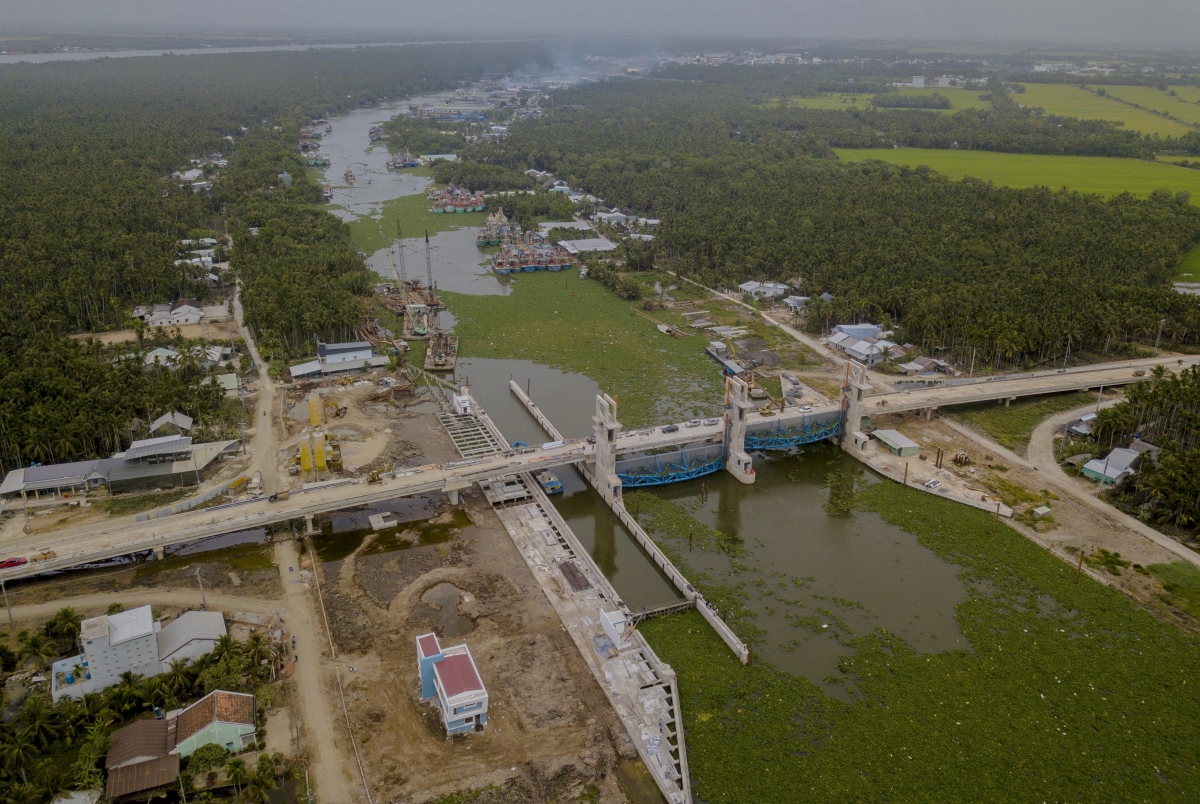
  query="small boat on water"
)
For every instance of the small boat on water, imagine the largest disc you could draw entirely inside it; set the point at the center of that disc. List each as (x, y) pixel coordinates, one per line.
(549, 483)
(348, 176)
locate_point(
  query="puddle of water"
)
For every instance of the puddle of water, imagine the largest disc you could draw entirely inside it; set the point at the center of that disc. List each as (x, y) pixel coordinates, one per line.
(343, 532)
(447, 621)
(256, 536)
(458, 264)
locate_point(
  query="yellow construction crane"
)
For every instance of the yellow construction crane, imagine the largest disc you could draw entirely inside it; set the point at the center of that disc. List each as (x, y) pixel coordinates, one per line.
(765, 410)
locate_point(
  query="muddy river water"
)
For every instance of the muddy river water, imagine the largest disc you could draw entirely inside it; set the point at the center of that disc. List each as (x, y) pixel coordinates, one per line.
(813, 578)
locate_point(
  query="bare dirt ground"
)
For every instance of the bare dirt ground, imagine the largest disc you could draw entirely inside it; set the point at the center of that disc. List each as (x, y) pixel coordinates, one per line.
(550, 736)
(1075, 528)
(218, 331)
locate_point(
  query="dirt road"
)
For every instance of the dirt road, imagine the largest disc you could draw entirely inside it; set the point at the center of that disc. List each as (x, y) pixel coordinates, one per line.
(264, 423)
(1041, 455)
(90, 605)
(330, 765)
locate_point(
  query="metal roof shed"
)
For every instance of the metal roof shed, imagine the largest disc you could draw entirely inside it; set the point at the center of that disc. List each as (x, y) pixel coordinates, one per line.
(897, 442)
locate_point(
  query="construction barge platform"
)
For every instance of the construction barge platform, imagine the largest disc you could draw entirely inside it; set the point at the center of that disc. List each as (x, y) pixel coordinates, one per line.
(442, 353)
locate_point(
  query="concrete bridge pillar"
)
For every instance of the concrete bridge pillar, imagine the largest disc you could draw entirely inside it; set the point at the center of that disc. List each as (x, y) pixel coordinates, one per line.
(853, 387)
(453, 488)
(737, 405)
(308, 525)
(160, 553)
(606, 428)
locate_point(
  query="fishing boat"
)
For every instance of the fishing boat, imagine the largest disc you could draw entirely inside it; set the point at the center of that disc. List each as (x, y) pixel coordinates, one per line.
(348, 176)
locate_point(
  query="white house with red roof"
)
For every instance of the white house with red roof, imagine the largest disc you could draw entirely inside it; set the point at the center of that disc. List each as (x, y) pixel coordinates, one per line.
(450, 676)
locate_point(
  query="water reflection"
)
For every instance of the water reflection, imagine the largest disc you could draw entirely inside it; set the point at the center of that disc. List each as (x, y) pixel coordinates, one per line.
(458, 264)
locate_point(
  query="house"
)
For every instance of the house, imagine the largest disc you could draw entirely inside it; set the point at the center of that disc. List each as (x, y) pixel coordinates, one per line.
(796, 303)
(926, 365)
(763, 290)
(229, 383)
(826, 297)
(162, 357)
(227, 719)
(897, 442)
(611, 217)
(357, 352)
(576, 247)
(1145, 449)
(1113, 468)
(860, 331)
(333, 358)
(178, 420)
(132, 641)
(140, 759)
(1083, 425)
(144, 756)
(450, 676)
(183, 311)
(190, 636)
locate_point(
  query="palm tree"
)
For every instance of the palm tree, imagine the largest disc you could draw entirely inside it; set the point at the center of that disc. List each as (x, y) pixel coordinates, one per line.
(235, 769)
(38, 648)
(38, 718)
(179, 677)
(19, 754)
(64, 624)
(258, 649)
(226, 645)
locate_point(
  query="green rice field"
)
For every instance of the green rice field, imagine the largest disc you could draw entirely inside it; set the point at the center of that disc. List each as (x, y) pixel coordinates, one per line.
(1184, 104)
(1189, 269)
(960, 98)
(1069, 100)
(1104, 176)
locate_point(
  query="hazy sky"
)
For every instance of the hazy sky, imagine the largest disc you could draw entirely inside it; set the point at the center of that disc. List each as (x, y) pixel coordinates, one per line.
(1174, 22)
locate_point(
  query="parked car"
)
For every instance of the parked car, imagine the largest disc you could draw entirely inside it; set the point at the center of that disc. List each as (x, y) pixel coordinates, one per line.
(15, 561)
(932, 484)
(671, 428)
(806, 408)
(711, 422)
(693, 423)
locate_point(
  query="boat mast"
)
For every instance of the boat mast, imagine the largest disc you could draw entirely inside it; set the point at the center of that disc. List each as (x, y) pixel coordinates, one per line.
(428, 264)
(400, 251)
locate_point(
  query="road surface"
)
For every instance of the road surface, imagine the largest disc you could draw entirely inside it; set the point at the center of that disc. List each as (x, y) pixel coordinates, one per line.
(310, 679)
(264, 426)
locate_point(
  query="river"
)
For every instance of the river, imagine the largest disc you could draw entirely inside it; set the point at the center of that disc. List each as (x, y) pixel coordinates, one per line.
(813, 578)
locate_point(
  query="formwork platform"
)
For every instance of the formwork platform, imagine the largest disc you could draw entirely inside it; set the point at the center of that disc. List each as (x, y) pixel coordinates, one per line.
(471, 436)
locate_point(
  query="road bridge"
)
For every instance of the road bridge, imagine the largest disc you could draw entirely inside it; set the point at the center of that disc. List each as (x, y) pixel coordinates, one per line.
(744, 426)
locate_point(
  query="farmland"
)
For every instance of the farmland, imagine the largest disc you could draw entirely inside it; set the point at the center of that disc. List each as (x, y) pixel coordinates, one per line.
(1184, 104)
(1069, 100)
(959, 98)
(1069, 692)
(1104, 176)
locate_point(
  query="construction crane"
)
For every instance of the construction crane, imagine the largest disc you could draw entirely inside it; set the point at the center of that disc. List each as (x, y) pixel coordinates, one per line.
(400, 252)
(428, 271)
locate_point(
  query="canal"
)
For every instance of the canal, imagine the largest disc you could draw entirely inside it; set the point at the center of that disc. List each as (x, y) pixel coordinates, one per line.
(810, 573)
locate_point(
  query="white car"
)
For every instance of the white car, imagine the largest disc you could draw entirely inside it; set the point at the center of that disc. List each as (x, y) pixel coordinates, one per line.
(806, 408)
(711, 422)
(932, 484)
(693, 423)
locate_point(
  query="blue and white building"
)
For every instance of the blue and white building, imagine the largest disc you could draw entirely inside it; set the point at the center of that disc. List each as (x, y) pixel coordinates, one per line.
(449, 675)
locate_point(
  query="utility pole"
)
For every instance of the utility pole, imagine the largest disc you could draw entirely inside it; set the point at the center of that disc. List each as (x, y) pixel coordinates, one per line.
(1099, 396)
(1157, 337)
(203, 600)
(972, 374)
(11, 627)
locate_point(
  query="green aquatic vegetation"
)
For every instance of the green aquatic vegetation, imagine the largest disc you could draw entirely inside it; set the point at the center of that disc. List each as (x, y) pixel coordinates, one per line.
(842, 486)
(579, 326)
(413, 214)
(1181, 582)
(1069, 692)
